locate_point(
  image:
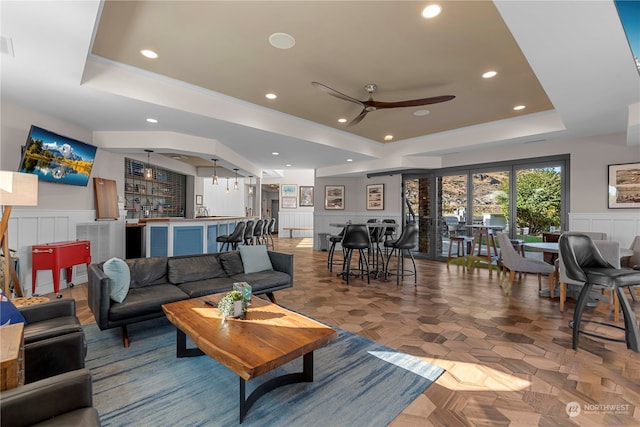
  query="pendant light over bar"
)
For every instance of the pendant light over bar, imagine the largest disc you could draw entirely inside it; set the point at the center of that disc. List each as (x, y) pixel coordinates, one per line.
(215, 171)
(250, 184)
(148, 170)
(227, 186)
(235, 184)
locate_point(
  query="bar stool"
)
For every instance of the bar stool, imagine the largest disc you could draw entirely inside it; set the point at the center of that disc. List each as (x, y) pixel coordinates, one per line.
(356, 237)
(334, 239)
(270, 229)
(234, 238)
(462, 248)
(257, 232)
(248, 232)
(407, 241)
(584, 263)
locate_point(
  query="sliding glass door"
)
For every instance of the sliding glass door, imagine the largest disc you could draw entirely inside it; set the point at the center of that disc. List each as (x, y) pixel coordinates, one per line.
(523, 197)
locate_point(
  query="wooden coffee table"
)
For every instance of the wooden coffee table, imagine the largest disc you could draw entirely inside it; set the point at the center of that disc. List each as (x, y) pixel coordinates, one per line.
(268, 337)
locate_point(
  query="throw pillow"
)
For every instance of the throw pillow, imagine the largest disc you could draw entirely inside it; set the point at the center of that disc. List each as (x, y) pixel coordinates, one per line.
(119, 278)
(255, 258)
(231, 262)
(9, 314)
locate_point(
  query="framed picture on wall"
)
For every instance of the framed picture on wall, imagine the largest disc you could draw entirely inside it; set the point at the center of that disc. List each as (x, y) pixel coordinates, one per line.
(624, 186)
(306, 196)
(289, 190)
(334, 196)
(375, 197)
(289, 202)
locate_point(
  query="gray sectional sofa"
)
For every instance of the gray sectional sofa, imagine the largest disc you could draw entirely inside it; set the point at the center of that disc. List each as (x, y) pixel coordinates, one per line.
(160, 280)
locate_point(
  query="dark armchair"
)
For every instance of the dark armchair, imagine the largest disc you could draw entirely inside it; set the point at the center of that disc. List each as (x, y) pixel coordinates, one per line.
(54, 341)
(61, 400)
(584, 263)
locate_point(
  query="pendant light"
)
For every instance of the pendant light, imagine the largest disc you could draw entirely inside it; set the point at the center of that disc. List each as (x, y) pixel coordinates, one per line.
(148, 170)
(227, 186)
(250, 184)
(215, 171)
(235, 184)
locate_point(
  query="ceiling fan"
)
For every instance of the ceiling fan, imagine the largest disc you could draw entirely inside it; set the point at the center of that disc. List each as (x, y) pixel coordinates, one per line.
(372, 105)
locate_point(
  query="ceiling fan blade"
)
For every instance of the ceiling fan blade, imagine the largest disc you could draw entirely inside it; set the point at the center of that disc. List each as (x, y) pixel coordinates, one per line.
(359, 118)
(335, 93)
(411, 103)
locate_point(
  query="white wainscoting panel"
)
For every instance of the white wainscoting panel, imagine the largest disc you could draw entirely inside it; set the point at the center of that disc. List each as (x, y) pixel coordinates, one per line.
(297, 220)
(622, 227)
(28, 227)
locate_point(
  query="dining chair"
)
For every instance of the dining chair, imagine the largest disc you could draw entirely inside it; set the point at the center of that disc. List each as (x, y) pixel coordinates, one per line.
(634, 260)
(584, 263)
(516, 263)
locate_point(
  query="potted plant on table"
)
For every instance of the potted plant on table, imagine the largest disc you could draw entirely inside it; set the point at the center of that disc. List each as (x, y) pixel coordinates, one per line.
(233, 304)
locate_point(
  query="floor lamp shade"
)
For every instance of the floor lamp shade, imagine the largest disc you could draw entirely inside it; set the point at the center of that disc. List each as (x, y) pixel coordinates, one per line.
(18, 189)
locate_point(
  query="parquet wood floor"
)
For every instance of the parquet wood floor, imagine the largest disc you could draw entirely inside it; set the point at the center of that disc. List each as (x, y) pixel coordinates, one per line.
(508, 360)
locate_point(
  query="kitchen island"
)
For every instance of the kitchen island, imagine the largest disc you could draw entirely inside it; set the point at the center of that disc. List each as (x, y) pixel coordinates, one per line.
(186, 236)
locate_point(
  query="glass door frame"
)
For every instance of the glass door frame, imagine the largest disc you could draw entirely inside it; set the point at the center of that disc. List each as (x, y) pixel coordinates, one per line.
(563, 161)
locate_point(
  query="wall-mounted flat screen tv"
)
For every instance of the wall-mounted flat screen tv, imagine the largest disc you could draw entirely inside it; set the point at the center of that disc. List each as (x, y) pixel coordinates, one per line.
(56, 158)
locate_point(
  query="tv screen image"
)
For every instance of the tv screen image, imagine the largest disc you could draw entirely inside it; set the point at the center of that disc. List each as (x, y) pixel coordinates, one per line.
(56, 158)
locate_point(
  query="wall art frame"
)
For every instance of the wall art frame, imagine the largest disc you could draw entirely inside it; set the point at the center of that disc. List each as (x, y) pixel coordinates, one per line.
(289, 202)
(306, 196)
(624, 186)
(289, 190)
(375, 197)
(334, 197)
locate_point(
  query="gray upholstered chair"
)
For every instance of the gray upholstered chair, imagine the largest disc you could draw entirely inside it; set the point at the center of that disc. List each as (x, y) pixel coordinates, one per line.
(516, 263)
(61, 400)
(584, 263)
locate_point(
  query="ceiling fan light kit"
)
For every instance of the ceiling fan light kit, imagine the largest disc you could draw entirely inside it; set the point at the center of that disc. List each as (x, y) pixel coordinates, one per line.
(370, 104)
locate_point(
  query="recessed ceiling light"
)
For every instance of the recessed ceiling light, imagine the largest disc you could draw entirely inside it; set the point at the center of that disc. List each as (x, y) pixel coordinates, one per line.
(288, 165)
(489, 74)
(342, 120)
(349, 160)
(271, 96)
(148, 53)
(151, 120)
(519, 107)
(420, 113)
(388, 137)
(275, 153)
(176, 156)
(431, 11)
(282, 40)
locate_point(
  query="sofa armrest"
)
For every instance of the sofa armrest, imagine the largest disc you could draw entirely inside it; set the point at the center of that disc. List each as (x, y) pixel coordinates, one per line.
(49, 310)
(282, 262)
(41, 400)
(98, 295)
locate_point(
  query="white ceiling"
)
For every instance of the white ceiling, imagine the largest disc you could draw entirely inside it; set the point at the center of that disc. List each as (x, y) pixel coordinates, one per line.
(576, 53)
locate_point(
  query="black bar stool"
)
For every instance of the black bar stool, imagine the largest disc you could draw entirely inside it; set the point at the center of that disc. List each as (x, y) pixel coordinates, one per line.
(403, 245)
(356, 237)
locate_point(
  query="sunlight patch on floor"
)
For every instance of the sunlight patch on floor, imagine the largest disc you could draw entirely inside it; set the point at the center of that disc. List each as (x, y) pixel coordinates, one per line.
(306, 242)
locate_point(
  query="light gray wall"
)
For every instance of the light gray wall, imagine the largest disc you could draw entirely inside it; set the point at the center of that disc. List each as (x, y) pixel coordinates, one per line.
(356, 190)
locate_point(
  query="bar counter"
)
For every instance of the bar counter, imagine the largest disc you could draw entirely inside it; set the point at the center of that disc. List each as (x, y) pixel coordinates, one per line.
(186, 236)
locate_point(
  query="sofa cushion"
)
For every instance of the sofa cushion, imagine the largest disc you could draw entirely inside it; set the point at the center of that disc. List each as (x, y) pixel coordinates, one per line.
(119, 278)
(255, 258)
(147, 271)
(51, 328)
(264, 281)
(207, 287)
(231, 262)
(146, 300)
(193, 268)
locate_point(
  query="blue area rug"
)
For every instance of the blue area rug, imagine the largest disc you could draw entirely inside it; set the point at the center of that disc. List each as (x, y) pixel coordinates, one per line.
(357, 382)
